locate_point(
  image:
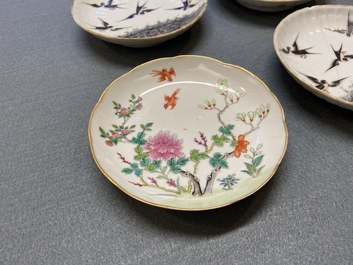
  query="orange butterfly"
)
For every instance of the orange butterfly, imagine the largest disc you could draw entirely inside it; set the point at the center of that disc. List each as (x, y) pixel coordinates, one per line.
(171, 100)
(164, 75)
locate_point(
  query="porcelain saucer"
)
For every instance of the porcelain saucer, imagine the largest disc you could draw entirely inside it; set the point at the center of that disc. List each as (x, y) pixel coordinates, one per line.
(315, 45)
(188, 133)
(137, 23)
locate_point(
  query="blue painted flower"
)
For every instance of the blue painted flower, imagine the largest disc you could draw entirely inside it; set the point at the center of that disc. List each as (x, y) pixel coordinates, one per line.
(228, 182)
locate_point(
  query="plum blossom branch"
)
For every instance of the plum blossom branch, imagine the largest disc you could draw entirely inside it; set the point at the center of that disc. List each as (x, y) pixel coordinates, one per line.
(230, 98)
(249, 118)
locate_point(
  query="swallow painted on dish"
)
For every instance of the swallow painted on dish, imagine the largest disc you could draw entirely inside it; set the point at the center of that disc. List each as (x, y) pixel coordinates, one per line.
(303, 53)
(323, 84)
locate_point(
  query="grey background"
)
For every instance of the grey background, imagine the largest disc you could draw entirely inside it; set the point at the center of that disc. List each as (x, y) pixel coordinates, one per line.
(57, 208)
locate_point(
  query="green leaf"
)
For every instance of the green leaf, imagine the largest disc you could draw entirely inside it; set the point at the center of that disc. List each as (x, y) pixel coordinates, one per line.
(257, 161)
(227, 130)
(259, 170)
(196, 156)
(132, 127)
(217, 155)
(216, 160)
(182, 161)
(139, 139)
(150, 168)
(171, 162)
(157, 163)
(140, 156)
(149, 124)
(138, 149)
(140, 153)
(250, 168)
(247, 156)
(175, 169)
(127, 170)
(219, 140)
(142, 126)
(145, 162)
(133, 96)
(138, 172)
(103, 133)
(175, 164)
(234, 143)
(213, 162)
(134, 165)
(223, 164)
(116, 140)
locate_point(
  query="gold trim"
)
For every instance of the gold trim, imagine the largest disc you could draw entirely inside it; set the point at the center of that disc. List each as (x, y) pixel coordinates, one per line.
(175, 32)
(306, 84)
(176, 208)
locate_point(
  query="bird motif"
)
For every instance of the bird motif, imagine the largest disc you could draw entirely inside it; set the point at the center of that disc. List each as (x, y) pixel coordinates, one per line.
(109, 5)
(106, 26)
(164, 74)
(140, 10)
(349, 30)
(341, 56)
(186, 5)
(323, 84)
(303, 53)
(171, 101)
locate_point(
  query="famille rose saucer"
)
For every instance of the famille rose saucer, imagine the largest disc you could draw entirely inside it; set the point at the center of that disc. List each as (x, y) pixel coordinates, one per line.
(271, 5)
(188, 133)
(137, 23)
(315, 45)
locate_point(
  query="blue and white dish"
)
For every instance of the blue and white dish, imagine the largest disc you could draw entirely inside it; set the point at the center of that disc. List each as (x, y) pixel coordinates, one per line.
(315, 45)
(137, 23)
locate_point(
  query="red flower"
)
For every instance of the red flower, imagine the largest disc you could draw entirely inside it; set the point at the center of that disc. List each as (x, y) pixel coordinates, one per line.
(123, 111)
(139, 106)
(109, 143)
(241, 146)
(125, 132)
(113, 136)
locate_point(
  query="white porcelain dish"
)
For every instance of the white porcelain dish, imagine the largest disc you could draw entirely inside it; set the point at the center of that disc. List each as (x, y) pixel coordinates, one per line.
(137, 23)
(315, 45)
(188, 133)
(271, 5)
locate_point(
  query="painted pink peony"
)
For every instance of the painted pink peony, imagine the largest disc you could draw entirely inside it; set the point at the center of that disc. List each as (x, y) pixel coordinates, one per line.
(164, 145)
